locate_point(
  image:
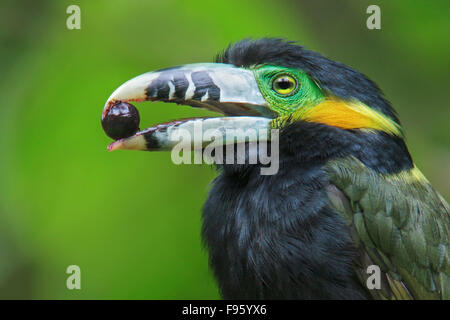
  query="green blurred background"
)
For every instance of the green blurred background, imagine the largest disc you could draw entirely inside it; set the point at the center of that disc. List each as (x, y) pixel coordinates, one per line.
(131, 220)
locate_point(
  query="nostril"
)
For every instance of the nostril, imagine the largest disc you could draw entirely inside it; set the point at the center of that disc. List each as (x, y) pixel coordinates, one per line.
(121, 121)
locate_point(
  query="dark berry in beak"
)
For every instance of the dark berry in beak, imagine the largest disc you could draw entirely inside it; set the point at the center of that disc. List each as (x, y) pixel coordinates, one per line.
(121, 121)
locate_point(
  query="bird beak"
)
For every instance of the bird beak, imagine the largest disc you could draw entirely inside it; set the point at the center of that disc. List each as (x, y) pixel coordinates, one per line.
(223, 88)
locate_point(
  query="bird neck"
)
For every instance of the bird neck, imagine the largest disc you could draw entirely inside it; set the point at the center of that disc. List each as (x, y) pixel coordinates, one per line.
(274, 236)
(317, 143)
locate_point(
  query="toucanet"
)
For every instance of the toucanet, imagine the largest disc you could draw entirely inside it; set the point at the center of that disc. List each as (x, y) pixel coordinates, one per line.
(347, 201)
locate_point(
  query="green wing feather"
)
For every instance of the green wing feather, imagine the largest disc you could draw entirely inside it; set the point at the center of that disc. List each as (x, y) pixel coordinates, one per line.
(398, 222)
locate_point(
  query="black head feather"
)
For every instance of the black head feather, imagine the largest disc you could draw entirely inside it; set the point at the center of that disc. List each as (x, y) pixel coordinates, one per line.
(334, 77)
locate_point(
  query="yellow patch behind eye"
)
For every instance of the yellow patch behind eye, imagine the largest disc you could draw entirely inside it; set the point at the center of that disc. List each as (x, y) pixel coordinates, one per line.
(348, 115)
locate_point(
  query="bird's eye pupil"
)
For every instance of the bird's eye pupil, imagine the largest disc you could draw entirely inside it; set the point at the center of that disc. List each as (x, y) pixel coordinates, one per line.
(284, 85)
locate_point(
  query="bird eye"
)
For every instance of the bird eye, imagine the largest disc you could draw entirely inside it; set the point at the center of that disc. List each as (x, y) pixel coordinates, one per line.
(284, 85)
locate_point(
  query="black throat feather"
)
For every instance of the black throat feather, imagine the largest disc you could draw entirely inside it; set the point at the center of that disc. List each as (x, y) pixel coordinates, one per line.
(275, 237)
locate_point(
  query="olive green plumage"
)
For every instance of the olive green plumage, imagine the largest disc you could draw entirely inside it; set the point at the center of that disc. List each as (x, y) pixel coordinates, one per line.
(400, 223)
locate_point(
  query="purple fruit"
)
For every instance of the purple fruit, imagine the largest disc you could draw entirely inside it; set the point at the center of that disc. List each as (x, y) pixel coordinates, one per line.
(121, 121)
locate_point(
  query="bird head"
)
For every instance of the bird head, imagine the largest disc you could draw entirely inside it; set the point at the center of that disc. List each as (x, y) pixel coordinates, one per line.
(258, 84)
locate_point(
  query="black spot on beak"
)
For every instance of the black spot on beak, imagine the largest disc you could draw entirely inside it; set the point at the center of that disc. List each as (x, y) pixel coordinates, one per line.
(204, 84)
